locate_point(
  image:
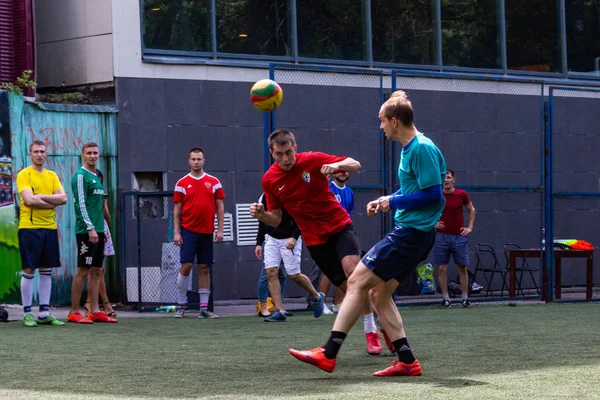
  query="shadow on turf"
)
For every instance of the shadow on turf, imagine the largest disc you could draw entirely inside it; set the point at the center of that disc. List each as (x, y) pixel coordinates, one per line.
(333, 380)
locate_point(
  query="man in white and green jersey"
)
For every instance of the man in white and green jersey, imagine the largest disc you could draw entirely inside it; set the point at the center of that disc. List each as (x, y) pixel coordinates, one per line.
(88, 193)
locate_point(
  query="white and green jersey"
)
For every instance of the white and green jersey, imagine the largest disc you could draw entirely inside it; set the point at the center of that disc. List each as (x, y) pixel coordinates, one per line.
(89, 197)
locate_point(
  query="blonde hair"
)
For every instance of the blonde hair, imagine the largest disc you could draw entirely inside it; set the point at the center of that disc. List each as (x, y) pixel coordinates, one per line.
(399, 106)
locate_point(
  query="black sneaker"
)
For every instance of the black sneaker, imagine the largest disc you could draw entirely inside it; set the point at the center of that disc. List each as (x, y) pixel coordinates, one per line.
(465, 303)
(445, 303)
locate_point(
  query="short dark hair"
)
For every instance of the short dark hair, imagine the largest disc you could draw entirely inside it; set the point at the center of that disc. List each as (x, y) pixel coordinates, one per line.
(196, 150)
(36, 143)
(281, 137)
(399, 106)
(88, 145)
(451, 172)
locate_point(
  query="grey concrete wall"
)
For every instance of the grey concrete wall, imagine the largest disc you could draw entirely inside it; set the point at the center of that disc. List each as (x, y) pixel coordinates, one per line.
(159, 121)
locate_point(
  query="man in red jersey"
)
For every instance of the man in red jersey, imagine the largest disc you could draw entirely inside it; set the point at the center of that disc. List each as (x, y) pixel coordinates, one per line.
(298, 182)
(451, 238)
(198, 196)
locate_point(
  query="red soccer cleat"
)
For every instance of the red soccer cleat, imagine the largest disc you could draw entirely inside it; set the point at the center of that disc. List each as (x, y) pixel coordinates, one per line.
(373, 343)
(388, 342)
(400, 369)
(101, 317)
(78, 318)
(315, 357)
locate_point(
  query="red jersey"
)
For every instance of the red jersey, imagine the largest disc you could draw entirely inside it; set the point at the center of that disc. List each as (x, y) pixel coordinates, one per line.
(198, 197)
(452, 216)
(304, 192)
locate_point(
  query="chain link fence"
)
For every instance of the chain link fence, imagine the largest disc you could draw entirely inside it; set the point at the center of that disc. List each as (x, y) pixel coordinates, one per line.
(149, 263)
(491, 133)
(575, 183)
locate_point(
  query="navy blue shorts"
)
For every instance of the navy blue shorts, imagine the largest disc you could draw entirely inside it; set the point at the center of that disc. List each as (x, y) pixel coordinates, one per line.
(196, 246)
(39, 248)
(456, 245)
(399, 253)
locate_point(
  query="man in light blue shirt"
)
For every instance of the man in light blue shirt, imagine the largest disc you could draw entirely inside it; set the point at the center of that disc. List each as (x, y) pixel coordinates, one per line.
(418, 204)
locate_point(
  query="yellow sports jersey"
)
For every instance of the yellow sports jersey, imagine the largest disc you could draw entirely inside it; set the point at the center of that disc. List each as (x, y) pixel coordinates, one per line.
(45, 182)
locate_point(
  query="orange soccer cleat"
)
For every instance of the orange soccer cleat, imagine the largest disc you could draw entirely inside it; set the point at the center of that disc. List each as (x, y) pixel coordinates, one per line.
(373, 343)
(78, 318)
(401, 369)
(315, 357)
(101, 317)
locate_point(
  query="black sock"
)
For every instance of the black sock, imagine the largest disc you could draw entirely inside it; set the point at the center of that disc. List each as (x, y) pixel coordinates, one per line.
(403, 351)
(334, 343)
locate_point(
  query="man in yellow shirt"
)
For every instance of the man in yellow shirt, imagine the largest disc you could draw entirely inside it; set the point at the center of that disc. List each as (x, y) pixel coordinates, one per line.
(40, 193)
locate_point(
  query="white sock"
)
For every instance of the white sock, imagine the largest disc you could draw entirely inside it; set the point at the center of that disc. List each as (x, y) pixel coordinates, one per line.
(204, 295)
(44, 290)
(183, 283)
(26, 291)
(369, 322)
(465, 296)
(446, 296)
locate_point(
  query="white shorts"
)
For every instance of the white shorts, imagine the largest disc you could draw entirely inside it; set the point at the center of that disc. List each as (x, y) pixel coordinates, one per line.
(109, 248)
(274, 252)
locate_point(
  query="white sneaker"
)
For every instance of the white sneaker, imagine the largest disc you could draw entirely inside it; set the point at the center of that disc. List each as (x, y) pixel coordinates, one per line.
(335, 308)
(326, 310)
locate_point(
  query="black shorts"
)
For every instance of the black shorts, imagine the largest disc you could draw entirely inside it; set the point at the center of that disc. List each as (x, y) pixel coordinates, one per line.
(328, 256)
(90, 254)
(39, 248)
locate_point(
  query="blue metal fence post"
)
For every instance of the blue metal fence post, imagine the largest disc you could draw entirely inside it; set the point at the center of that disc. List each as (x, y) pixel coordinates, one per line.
(122, 243)
(139, 248)
(548, 254)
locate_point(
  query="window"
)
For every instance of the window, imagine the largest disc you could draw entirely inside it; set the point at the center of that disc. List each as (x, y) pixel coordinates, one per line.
(177, 25)
(333, 29)
(470, 34)
(254, 27)
(403, 31)
(532, 35)
(583, 36)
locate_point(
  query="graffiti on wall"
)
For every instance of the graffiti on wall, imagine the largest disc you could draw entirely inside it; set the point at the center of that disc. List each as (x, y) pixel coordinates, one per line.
(9, 249)
(64, 133)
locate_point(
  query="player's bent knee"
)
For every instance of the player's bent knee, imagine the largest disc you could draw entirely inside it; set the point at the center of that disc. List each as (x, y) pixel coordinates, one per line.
(378, 296)
(295, 277)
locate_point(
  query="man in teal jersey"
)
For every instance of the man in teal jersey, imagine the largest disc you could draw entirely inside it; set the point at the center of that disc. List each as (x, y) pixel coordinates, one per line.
(88, 193)
(418, 204)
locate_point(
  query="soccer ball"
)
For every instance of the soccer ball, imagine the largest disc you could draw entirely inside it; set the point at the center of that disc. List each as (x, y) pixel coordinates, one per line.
(266, 95)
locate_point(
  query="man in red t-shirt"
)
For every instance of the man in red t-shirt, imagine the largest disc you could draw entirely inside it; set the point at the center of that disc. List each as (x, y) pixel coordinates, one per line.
(197, 197)
(298, 182)
(451, 238)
